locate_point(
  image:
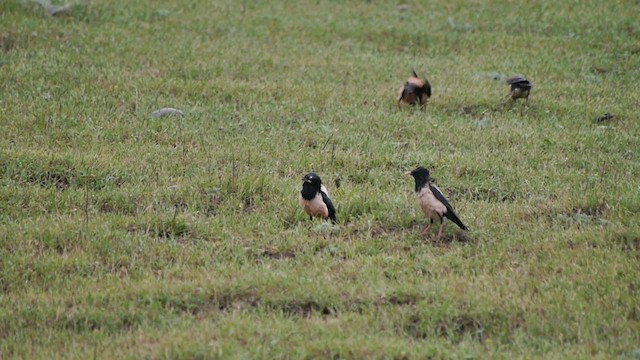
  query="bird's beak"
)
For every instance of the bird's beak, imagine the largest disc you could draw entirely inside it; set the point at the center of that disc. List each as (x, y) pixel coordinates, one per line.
(407, 173)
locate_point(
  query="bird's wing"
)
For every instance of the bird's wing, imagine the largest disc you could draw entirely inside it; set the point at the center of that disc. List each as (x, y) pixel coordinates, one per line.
(525, 84)
(450, 214)
(327, 201)
(515, 79)
(427, 88)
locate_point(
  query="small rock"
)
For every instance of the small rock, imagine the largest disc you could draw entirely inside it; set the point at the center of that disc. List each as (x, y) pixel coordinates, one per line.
(53, 10)
(166, 112)
(459, 27)
(163, 12)
(634, 354)
(593, 78)
(59, 10)
(482, 123)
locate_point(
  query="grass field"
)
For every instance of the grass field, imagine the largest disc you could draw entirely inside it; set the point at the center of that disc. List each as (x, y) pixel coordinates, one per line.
(127, 236)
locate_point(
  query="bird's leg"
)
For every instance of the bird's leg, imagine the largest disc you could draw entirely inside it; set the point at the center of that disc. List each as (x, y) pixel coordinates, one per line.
(426, 228)
(310, 217)
(440, 231)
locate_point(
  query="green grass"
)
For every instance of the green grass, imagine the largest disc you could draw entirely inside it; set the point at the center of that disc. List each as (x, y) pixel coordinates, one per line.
(126, 236)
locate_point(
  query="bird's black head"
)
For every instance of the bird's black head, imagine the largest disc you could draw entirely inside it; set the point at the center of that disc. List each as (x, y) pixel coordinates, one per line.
(312, 178)
(421, 176)
(519, 82)
(310, 186)
(515, 79)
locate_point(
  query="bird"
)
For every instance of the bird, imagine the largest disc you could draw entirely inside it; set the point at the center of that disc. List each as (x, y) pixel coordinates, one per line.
(519, 88)
(414, 91)
(314, 198)
(433, 204)
(605, 117)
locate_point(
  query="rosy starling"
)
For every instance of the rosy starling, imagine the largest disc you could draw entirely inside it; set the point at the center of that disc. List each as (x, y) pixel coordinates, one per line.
(314, 198)
(433, 204)
(414, 91)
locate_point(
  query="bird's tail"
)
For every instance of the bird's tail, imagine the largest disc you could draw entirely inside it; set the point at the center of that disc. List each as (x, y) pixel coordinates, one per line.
(453, 217)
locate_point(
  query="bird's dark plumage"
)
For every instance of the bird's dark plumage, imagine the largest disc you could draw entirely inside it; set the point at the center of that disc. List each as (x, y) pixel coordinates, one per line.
(314, 198)
(606, 116)
(450, 214)
(414, 91)
(330, 208)
(433, 204)
(519, 87)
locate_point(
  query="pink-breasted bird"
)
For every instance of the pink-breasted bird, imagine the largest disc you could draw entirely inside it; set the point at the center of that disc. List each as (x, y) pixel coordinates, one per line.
(314, 198)
(433, 204)
(414, 91)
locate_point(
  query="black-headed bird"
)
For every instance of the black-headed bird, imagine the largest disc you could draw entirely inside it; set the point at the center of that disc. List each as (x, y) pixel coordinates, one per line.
(314, 198)
(519, 88)
(414, 91)
(433, 204)
(605, 117)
